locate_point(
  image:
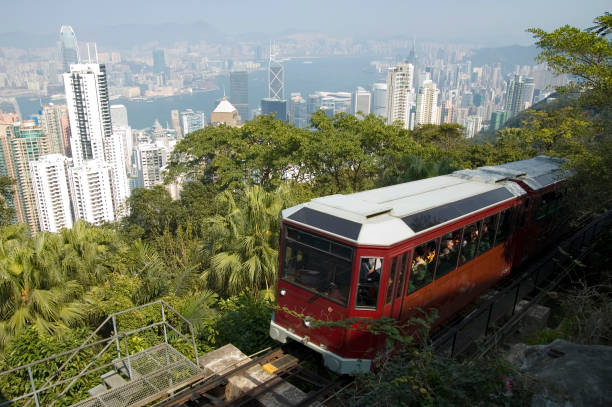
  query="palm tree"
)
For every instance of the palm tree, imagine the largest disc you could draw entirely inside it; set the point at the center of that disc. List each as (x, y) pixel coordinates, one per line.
(34, 291)
(244, 242)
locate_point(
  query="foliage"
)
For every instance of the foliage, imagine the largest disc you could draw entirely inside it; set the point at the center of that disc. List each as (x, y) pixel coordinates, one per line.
(151, 212)
(244, 322)
(6, 198)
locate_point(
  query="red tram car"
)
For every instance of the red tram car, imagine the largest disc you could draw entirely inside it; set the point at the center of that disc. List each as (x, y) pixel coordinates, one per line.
(438, 242)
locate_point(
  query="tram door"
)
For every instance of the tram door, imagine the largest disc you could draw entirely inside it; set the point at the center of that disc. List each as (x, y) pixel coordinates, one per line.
(396, 285)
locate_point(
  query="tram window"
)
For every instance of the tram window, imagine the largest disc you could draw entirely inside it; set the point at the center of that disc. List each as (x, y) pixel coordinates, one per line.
(395, 264)
(469, 243)
(400, 277)
(487, 234)
(449, 251)
(423, 265)
(504, 226)
(370, 270)
(321, 272)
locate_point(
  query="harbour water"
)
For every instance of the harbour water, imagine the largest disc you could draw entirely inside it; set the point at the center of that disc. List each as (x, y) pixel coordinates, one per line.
(304, 75)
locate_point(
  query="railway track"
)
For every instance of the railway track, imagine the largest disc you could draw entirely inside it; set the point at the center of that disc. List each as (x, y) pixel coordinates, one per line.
(288, 364)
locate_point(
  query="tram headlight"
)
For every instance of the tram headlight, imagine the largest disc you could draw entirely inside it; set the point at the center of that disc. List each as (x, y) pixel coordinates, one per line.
(307, 322)
(283, 292)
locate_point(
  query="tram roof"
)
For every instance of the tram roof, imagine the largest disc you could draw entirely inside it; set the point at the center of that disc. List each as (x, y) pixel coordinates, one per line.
(388, 215)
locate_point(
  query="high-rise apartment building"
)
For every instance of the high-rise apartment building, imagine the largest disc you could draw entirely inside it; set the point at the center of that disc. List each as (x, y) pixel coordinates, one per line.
(119, 115)
(69, 49)
(54, 122)
(363, 101)
(379, 99)
(90, 189)
(399, 93)
(49, 175)
(192, 121)
(239, 92)
(427, 103)
(176, 123)
(473, 124)
(519, 95)
(92, 139)
(20, 144)
(150, 159)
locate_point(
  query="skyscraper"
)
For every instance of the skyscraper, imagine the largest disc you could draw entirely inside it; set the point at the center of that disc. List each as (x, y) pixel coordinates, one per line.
(427, 103)
(275, 106)
(225, 113)
(92, 138)
(176, 123)
(379, 99)
(298, 115)
(49, 175)
(363, 100)
(159, 62)
(90, 189)
(276, 79)
(150, 162)
(519, 95)
(21, 143)
(69, 49)
(399, 93)
(192, 121)
(54, 123)
(239, 92)
(473, 124)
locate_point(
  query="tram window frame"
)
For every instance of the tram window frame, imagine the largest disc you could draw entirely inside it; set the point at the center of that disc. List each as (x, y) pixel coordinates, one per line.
(492, 230)
(464, 243)
(402, 275)
(395, 264)
(429, 266)
(445, 238)
(369, 285)
(508, 215)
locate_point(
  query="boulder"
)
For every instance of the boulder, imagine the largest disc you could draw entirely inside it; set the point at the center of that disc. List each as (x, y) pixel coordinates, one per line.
(570, 374)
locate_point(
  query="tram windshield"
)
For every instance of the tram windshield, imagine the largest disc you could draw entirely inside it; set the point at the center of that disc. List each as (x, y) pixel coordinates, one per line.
(317, 264)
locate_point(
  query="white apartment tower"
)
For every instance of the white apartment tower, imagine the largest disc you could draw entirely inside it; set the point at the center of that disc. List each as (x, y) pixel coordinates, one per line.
(90, 186)
(379, 99)
(92, 138)
(49, 175)
(427, 103)
(150, 163)
(399, 93)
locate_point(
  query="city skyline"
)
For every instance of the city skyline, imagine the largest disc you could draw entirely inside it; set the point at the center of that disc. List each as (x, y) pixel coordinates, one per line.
(475, 21)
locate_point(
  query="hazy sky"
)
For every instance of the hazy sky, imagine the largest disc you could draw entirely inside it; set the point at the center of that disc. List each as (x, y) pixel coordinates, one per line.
(488, 22)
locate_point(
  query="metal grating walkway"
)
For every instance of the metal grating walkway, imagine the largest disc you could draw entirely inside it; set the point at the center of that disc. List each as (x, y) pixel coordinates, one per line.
(154, 371)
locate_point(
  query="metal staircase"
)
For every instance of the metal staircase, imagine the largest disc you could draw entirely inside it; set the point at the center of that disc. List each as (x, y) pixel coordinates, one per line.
(123, 367)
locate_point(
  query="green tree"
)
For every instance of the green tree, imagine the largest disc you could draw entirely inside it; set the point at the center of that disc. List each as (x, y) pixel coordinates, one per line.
(151, 212)
(243, 246)
(6, 198)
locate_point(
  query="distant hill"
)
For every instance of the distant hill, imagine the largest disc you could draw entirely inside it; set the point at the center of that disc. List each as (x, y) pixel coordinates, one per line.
(508, 56)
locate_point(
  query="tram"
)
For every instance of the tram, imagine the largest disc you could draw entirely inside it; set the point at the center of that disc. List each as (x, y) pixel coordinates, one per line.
(434, 243)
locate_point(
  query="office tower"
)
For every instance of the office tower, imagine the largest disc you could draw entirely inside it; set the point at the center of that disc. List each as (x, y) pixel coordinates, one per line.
(119, 116)
(379, 99)
(225, 113)
(313, 104)
(276, 79)
(159, 62)
(497, 120)
(176, 123)
(54, 122)
(69, 49)
(150, 161)
(298, 115)
(338, 102)
(473, 124)
(92, 138)
(399, 93)
(363, 100)
(49, 175)
(192, 121)
(21, 143)
(519, 95)
(275, 106)
(427, 103)
(90, 190)
(239, 92)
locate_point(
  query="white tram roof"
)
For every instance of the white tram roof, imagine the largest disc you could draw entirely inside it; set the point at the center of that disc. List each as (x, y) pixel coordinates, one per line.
(389, 215)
